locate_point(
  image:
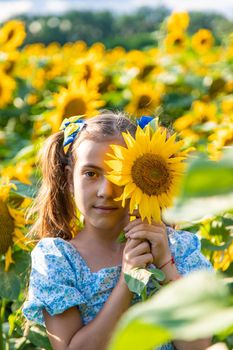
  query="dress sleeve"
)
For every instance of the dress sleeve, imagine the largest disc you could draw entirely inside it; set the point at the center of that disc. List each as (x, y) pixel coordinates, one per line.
(52, 282)
(186, 250)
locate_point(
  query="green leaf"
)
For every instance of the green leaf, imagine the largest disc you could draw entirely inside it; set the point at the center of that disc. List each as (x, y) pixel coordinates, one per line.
(194, 307)
(37, 335)
(9, 285)
(206, 244)
(23, 189)
(202, 193)
(137, 279)
(202, 178)
(157, 273)
(121, 238)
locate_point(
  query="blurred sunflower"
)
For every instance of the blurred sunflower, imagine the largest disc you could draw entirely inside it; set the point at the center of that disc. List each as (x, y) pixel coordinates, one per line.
(200, 113)
(150, 168)
(178, 21)
(20, 171)
(223, 258)
(175, 41)
(145, 98)
(88, 69)
(227, 105)
(75, 100)
(221, 137)
(7, 87)
(12, 35)
(202, 40)
(12, 223)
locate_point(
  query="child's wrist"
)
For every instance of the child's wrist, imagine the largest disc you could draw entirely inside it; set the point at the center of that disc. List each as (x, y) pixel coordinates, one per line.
(169, 261)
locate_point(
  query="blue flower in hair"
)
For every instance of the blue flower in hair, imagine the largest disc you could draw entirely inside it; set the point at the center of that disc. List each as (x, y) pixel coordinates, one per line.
(144, 120)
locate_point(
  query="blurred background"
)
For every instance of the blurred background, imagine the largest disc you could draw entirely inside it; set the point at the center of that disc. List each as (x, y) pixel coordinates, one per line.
(172, 59)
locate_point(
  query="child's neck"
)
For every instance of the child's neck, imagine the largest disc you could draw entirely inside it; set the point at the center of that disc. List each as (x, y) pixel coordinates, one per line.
(108, 240)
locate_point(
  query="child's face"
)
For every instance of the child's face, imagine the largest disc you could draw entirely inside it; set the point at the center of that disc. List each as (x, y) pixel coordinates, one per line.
(93, 193)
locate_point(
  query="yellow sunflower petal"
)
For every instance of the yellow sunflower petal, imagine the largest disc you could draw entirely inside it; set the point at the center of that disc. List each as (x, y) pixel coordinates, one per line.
(8, 259)
(129, 140)
(129, 188)
(155, 209)
(118, 179)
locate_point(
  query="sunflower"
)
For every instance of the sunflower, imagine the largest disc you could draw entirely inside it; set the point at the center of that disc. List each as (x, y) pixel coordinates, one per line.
(221, 137)
(20, 171)
(76, 100)
(88, 69)
(175, 41)
(12, 223)
(145, 98)
(202, 40)
(150, 168)
(12, 35)
(223, 258)
(178, 20)
(7, 86)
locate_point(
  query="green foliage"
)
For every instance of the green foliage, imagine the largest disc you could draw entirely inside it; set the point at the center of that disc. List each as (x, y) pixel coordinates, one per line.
(178, 311)
(131, 31)
(202, 192)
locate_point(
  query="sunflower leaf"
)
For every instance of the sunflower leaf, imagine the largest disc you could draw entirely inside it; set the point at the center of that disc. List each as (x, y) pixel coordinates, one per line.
(121, 238)
(137, 279)
(158, 274)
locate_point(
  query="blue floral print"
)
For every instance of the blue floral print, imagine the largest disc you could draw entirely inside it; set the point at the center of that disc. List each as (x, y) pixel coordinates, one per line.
(60, 278)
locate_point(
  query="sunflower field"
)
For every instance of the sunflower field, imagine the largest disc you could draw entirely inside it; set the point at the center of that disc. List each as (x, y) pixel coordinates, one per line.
(187, 81)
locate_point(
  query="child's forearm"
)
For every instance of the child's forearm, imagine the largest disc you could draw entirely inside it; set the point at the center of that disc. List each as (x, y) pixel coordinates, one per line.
(200, 344)
(170, 272)
(96, 335)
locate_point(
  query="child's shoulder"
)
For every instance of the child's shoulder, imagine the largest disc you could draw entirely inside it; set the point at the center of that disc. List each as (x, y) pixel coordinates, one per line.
(51, 245)
(183, 243)
(54, 249)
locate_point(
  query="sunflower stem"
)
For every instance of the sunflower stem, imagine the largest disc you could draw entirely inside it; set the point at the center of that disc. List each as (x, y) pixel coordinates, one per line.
(2, 318)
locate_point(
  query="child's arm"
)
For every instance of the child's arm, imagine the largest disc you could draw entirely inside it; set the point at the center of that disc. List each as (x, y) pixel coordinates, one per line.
(201, 344)
(66, 331)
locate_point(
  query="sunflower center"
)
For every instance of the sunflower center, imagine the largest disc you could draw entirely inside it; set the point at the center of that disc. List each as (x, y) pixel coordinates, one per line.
(151, 174)
(6, 228)
(203, 41)
(177, 41)
(88, 73)
(144, 101)
(10, 34)
(76, 106)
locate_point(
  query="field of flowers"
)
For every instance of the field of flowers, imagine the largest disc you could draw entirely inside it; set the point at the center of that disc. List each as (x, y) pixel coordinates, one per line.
(186, 81)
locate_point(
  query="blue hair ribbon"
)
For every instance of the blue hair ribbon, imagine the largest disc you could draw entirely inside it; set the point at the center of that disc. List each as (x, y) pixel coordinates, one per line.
(71, 127)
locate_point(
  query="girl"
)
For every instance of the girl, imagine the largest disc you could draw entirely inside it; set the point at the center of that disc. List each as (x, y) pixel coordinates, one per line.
(77, 288)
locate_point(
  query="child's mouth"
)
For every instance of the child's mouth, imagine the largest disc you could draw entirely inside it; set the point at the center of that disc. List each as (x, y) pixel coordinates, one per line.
(104, 209)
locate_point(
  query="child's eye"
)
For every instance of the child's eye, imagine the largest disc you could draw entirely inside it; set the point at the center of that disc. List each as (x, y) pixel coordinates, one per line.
(90, 174)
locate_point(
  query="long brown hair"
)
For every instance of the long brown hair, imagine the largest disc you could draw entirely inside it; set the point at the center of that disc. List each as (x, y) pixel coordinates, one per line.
(54, 206)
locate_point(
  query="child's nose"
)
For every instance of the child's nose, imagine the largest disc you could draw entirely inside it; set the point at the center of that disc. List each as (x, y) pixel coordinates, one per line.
(106, 188)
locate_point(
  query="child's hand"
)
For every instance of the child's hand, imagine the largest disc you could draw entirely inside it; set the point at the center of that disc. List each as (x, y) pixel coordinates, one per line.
(155, 234)
(137, 253)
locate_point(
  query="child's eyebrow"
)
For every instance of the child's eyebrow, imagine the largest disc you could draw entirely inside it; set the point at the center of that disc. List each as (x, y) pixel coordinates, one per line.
(91, 166)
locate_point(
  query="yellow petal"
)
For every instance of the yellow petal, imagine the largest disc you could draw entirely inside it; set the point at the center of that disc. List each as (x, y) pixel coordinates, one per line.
(129, 188)
(118, 179)
(155, 209)
(8, 259)
(129, 140)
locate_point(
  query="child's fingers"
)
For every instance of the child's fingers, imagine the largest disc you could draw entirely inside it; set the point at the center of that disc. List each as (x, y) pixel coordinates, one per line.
(140, 249)
(139, 225)
(143, 260)
(135, 213)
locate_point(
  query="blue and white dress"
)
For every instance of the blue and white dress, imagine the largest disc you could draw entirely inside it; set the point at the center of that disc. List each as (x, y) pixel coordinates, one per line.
(60, 278)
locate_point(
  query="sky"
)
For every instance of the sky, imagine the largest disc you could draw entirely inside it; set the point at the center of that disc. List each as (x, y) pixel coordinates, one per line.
(9, 8)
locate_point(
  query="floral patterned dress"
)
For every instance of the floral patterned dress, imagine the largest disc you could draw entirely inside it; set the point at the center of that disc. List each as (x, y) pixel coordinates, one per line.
(60, 278)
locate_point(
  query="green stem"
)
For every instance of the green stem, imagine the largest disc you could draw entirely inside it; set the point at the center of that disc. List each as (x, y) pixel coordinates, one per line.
(2, 318)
